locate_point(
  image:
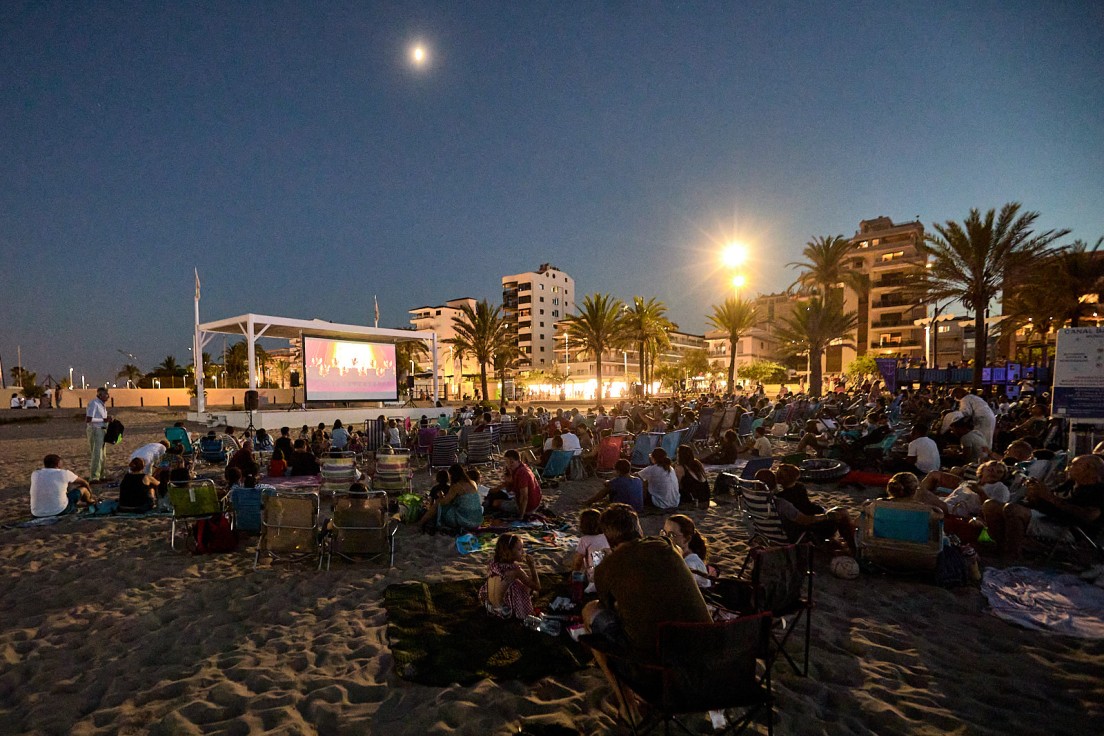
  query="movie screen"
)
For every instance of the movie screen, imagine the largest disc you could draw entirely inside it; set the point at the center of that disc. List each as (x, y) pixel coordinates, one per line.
(348, 370)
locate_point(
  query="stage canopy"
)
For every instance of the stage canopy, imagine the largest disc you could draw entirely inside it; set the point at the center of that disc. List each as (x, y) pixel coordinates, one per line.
(255, 326)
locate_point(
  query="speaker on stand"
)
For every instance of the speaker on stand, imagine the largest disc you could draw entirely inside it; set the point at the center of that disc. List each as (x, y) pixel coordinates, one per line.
(252, 401)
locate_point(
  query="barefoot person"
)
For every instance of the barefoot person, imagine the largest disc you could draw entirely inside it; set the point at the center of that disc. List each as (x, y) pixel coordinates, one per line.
(56, 490)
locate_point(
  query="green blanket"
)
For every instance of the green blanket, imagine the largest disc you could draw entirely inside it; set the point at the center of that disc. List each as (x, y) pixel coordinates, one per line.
(441, 635)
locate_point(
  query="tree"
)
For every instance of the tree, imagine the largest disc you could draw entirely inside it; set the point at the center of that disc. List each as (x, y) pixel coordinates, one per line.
(696, 363)
(505, 359)
(765, 371)
(130, 372)
(237, 364)
(864, 365)
(480, 333)
(670, 376)
(735, 317)
(813, 326)
(646, 323)
(1069, 274)
(597, 328)
(407, 352)
(972, 261)
(168, 367)
(825, 266)
(23, 377)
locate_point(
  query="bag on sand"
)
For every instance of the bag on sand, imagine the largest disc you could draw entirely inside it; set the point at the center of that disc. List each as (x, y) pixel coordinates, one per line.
(950, 567)
(213, 534)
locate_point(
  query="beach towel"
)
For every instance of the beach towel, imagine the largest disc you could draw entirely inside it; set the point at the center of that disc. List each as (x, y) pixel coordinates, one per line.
(1045, 601)
(440, 634)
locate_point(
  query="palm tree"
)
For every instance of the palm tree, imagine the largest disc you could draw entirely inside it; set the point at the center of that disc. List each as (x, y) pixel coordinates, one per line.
(1034, 306)
(814, 325)
(825, 266)
(505, 359)
(167, 367)
(480, 332)
(735, 317)
(407, 352)
(237, 364)
(1070, 274)
(130, 372)
(972, 261)
(597, 328)
(646, 323)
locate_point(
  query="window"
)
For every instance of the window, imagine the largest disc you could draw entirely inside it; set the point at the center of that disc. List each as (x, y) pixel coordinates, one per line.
(438, 312)
(555, 289)
(891, 256)
(542, 324)
(542, 298)
(943, 328)
(555, 300)
(542, 350)
(542, 289)
(542, 311)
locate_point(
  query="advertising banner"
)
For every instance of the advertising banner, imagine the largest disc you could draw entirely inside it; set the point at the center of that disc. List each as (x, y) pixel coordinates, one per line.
(1079, 374)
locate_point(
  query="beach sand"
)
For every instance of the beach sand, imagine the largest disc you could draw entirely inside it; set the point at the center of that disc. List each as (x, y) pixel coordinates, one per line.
(105, 630)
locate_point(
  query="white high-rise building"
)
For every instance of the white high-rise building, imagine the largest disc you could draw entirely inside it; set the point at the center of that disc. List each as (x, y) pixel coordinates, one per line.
(534, 302)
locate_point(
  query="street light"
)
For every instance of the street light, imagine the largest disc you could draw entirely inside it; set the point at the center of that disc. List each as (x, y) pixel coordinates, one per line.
(738, 282)
(734, 255)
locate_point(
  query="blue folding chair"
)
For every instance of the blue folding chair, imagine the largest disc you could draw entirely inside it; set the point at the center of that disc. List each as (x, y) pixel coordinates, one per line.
(671, 442)
(556, 467)
(642, 448)
(754, 465)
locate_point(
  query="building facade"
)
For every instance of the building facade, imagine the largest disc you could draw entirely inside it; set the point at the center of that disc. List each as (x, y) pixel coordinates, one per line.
(533, 302)
(761, 343)
(451, 374)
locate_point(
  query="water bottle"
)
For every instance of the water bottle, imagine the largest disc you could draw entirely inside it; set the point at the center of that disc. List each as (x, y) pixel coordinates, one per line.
(532, 622)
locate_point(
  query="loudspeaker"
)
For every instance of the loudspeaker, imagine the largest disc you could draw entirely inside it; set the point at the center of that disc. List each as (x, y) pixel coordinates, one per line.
(252, 400)
(410, 381)
(295, 379)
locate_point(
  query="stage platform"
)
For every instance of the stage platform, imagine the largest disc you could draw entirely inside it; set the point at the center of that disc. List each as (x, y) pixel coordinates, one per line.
(272, 419)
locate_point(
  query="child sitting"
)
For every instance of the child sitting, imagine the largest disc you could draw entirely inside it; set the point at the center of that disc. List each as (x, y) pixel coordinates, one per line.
(511, 580)
(591, 541)
(437, 492)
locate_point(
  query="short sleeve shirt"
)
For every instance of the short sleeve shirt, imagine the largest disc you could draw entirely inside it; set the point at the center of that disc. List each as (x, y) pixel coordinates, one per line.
(49, 487)
(662, 486)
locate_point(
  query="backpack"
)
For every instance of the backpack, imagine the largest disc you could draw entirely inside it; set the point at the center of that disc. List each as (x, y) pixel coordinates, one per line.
(114, 433)
(950, 567)
(212, 535)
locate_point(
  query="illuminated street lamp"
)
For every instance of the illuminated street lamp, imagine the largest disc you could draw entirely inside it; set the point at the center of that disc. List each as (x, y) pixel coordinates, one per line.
(734, 255)
(738, 282)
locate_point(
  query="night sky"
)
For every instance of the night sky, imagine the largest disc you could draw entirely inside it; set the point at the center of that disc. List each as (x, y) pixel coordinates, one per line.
(297, 155)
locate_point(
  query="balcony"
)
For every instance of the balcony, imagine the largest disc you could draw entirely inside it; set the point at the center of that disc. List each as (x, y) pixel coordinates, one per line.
(895, 344)
(890, 281)
(890, 301)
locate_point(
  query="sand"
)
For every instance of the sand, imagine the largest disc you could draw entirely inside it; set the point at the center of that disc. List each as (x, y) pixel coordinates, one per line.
(105, 630)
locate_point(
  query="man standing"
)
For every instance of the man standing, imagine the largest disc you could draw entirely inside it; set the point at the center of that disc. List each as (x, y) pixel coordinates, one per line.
(97, 419)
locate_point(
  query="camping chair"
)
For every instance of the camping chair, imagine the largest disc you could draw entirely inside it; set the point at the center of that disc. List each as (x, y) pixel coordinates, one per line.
(339, 471)
(670, 442)
(212, 451)
(699, 438)
(609, 452)
(746, 427)
(642, 448)
(699, 667)
(621, 425)
(444, 452)
(761, 519)
(781, 582)
(508, 431)
(179, 436)
(191, 500)
(479, 450)
(375, 435)
(244, 506)
(556, 467)
(289, 521)
(899, 536)
(426, 436)
(393, 473)
(496, 438)
(361, 526)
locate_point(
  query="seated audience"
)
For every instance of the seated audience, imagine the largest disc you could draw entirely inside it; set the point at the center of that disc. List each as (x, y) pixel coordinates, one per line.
(339, 437)
(592, 542)
(812, 439)
(801, 516)
(760, 446)
(302, 460)
(520, 492)
(1047, 513)
(923, 452)
(661, 487)
(682, 533)
(625, 488)
(277, 465)
(244, 460)
(56, 490)
(728, 452)
(512, 579)
(906, 488)
(460, 508)
(283, 442)
(964, 503)
(137, 490)
(692, 480)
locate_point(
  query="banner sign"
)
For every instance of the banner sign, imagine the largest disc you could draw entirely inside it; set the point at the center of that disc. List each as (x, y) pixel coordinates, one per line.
(888, 368)
(1079, 373)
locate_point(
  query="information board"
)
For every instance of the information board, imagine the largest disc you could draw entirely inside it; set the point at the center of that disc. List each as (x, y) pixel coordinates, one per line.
(1079, 374)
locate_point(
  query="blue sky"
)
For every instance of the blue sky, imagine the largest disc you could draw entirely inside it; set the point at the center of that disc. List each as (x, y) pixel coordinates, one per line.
(294, 153)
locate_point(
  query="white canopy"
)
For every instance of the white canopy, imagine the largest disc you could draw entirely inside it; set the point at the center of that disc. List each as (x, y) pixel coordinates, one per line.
(255, 326)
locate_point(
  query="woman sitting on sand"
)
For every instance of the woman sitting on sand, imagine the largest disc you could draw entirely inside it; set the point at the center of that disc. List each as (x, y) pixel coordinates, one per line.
(461, 508)
(511, 580)
(693, 483)
(137, 490)
(728, 452)
(682, 533)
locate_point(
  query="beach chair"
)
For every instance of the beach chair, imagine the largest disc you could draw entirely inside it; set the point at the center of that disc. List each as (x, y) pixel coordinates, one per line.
(621, 425)
(670, 442)
(375, 435)
(781, 582)
(556, 467)
(244, 506)
(899, 537)
(191, 500)
(479, 450)
(444, 453)
(642, 448)
(754, 465)
(339, 471)
(761, 519)
(289, 528)
(361, 526)
(699, 667)
(212, 451)
(179, 436)
(609, 452)
(393, 473)
(747, 425)
(699, 438)
(426, 436)
(508, 432)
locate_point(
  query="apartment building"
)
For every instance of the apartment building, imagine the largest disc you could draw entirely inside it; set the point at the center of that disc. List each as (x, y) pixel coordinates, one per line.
(885, 251)
(761, 343)
(450, 367)
(534, 302)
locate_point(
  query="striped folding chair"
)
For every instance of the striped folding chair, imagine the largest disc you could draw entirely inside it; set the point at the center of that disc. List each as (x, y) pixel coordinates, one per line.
(761, 519)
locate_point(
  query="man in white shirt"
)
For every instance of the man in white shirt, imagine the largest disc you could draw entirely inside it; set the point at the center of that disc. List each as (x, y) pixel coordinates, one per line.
(972, 405)
(571, 442)
(151, 453)
(56, 490)
(97, 419)
(923, 453)
(16, 402)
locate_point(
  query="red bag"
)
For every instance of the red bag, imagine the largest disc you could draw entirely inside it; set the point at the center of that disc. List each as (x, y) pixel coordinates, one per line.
(213, 535)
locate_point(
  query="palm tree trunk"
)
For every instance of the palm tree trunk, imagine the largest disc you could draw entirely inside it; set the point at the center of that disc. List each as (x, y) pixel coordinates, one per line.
(732, 368)
(979, 346)
(642, 364)
(598, 374)
(816, 376)
(483, 379)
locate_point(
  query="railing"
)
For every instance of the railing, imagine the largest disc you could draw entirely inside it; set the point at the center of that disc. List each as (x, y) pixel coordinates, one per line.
(895, 344)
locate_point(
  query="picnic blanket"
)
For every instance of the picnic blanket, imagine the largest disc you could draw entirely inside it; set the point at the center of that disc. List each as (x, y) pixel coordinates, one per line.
(293, 482)
(440, 634)
(1045, 601)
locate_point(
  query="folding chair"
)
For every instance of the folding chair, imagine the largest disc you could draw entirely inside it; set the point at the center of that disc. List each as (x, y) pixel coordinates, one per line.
(212, 451)
(621, 425)
(362, 526)
(782, 584)
(747, 425)
(289, 527)
(393, 473)
(244, 506)
(426, 436)
(609, 452)
(479, 450)
(699, 438)
(699, 667)
(444, 453)
(761, 519)
(899, 536)
(375, 435)
(642, 448)
(179, 436)
(191, 500)
(754, 465)
(509, 431)
(556, 467)
(339, 471)
(670, 442)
